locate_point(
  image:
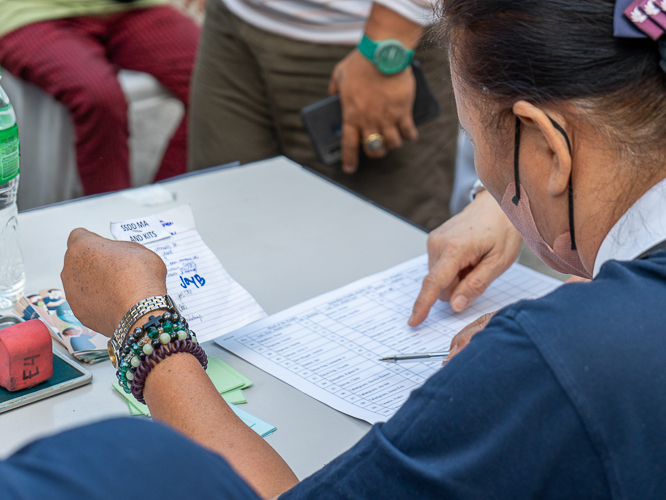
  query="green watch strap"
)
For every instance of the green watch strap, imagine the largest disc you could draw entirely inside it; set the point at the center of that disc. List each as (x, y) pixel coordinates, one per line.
(389, 56)
(367, 47)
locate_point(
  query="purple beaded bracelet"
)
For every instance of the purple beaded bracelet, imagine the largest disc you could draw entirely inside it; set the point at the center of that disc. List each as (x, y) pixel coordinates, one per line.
(158, 355)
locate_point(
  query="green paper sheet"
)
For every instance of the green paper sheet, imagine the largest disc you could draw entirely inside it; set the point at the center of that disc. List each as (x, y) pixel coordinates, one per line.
(134, 406)
(227, 380)
(236, 397)
(223, 379)
(246, 381)
(259, 426)
(134, 411)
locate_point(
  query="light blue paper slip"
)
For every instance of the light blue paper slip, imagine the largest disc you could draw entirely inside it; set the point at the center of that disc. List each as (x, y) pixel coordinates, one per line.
(256, 424)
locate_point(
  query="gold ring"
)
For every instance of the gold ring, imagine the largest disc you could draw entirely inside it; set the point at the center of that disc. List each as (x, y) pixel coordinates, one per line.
(374, 142)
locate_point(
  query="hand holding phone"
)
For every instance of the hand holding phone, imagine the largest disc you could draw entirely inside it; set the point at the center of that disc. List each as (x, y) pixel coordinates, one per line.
(323, 119)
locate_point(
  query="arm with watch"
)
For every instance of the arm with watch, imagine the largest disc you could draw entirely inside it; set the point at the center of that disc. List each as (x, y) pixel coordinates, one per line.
(377, 87)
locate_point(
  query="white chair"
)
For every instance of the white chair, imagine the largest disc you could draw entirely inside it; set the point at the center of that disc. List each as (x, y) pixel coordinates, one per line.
(46, 132)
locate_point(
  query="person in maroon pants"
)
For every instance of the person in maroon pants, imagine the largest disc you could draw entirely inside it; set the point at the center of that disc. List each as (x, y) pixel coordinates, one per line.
(76, 59)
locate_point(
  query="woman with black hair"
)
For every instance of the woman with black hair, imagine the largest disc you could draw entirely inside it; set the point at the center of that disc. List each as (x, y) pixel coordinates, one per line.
(561, 397)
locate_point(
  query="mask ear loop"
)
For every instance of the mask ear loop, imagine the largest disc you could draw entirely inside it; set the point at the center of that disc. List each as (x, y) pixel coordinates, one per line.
(571, 207)
(516, 156)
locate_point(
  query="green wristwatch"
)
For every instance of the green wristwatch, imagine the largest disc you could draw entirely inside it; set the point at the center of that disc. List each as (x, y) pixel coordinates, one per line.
(390, 56)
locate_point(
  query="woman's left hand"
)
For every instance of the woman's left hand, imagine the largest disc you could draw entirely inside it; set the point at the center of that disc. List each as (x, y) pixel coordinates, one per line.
(103, 279)
(463, 337)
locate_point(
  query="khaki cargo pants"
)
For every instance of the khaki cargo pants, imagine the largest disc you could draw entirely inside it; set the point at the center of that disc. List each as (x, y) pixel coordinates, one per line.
(247, 92)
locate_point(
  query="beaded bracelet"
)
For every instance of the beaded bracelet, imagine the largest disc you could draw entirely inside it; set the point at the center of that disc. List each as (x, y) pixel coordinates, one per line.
(153, 330)
(157, 332)
(158, 355)
(121, 335)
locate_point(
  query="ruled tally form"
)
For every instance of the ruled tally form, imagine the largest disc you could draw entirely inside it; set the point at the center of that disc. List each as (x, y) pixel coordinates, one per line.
(204, 292)
(329, 347)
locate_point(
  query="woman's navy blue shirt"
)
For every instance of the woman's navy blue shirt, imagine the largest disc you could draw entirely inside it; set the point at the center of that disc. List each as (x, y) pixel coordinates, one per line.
(560, 397)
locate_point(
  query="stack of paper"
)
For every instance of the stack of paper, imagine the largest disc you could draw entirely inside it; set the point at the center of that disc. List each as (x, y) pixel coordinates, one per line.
(228, 382)
(52, 308)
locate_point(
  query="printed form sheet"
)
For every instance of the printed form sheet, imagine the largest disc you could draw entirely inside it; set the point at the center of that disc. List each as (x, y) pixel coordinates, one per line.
(329, 347)
(210, 299)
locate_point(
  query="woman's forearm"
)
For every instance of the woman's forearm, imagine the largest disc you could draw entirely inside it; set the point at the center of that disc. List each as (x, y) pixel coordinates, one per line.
(103, 279)
(180, 394)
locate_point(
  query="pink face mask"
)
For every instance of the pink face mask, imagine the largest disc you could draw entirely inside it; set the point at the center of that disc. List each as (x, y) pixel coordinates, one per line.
(563, 257)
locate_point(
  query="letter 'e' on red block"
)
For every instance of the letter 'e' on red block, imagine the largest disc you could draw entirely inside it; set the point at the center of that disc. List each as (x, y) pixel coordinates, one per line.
(26, 358)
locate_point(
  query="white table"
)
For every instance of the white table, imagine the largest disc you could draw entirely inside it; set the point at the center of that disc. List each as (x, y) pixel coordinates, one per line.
(283, 233)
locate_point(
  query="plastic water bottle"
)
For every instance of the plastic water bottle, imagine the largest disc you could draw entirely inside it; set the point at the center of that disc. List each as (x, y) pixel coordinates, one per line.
(12, 276)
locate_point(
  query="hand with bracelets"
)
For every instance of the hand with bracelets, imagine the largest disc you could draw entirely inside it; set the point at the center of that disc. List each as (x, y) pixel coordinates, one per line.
(103, 279)
(119, 289)
(92, 260)
(160, 337)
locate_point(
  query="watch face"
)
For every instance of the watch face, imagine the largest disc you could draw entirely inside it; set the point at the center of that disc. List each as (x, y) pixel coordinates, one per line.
(391, 56)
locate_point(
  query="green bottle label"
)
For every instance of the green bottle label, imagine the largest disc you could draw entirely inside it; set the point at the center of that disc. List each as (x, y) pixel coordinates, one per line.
(9, 154)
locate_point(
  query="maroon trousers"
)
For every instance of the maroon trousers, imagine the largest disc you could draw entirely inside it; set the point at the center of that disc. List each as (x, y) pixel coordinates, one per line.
(76, 61)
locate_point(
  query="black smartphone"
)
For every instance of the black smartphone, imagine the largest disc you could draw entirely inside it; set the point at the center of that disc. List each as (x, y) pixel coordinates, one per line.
(323, 119)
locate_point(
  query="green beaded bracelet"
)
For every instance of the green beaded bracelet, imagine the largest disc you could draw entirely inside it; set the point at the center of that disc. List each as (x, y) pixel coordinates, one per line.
(156, 332)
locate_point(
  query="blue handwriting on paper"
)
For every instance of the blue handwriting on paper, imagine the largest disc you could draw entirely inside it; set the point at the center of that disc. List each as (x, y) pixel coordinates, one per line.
(195, 280)
(167, 224)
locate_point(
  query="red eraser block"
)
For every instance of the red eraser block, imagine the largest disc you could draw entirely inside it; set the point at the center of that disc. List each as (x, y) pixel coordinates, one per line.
(26, 358)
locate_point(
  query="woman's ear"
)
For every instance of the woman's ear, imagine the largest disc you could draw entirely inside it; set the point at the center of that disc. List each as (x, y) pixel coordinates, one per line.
(558, 157)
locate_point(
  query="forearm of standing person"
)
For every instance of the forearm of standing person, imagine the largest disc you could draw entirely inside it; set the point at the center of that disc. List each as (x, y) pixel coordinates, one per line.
(384, 23)
(373, 102)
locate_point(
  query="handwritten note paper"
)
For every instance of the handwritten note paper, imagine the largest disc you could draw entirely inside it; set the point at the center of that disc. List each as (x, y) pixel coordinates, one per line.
(210, 299)
(141, 230)
(329, 347)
